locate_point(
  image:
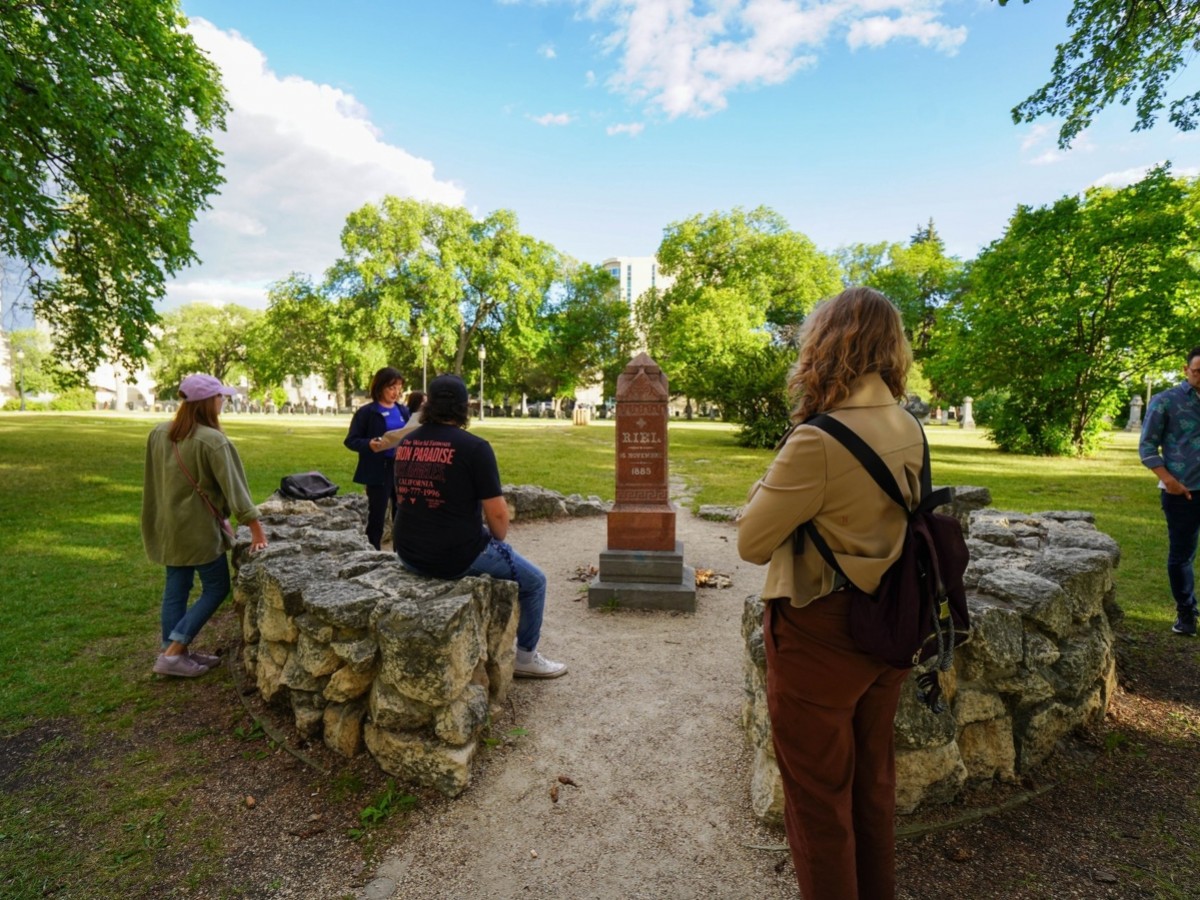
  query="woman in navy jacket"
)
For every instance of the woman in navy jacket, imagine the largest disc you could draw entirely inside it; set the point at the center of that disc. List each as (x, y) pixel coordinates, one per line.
(374, 470)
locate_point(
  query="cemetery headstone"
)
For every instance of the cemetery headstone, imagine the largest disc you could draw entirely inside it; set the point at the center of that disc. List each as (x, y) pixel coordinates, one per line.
(1135, 415)
(642, 566)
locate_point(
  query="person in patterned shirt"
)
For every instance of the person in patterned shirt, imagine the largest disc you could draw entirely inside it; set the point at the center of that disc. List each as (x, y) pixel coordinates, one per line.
(1170, 448)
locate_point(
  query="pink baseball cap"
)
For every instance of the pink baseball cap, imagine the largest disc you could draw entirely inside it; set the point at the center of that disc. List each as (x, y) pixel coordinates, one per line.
(201, 387)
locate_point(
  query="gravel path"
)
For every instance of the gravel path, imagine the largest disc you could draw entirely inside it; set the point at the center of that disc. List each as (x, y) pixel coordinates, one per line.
(646, 723)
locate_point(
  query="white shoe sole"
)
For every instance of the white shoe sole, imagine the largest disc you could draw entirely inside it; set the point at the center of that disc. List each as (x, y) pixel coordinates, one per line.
(517, 673)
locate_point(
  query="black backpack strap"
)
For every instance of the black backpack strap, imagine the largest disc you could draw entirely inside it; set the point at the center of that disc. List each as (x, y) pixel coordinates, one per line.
(826, 554)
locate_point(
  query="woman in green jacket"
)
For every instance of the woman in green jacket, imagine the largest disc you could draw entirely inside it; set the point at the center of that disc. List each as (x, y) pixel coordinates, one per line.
(193, 481)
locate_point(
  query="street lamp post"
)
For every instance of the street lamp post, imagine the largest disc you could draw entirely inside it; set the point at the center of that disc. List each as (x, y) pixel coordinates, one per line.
(482, 357)
(21, 377)
(424, 362)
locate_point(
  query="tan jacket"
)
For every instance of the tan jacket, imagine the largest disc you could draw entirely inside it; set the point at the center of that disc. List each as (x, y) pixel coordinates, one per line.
(815, 477)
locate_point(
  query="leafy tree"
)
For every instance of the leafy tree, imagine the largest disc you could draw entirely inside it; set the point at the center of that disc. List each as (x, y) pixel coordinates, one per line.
(740, 280)
(1059, 312)
(202, 337)
(415, 266)
(306, 329)
(588, 335)
(756, 395)
(1119, 50)
(37, 371)
(106, 116)
(919, 279)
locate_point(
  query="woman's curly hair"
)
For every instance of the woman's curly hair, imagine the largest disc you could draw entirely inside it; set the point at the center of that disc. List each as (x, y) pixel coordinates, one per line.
(857, 332)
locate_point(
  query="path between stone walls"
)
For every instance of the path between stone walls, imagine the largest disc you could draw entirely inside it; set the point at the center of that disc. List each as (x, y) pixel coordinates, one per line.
(647, 725)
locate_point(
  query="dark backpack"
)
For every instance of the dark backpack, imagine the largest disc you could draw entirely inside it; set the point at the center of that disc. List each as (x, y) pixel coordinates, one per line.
(919, 611)
(307, 486)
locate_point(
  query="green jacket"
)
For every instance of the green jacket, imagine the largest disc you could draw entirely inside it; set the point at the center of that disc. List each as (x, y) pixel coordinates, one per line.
(177, 528)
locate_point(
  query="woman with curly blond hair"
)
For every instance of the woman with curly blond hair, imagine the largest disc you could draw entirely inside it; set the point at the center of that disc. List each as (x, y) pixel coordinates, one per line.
(832, 707)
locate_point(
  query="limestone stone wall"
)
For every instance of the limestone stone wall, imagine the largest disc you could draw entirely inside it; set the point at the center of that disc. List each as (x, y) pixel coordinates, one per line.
(1039, 663)
(367, 655)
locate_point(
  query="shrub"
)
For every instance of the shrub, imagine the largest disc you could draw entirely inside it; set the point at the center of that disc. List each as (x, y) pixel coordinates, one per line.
(756, 396)
(74, 399)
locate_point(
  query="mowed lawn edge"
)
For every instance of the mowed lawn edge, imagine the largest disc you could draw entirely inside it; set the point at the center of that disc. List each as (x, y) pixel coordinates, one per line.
(80, 600)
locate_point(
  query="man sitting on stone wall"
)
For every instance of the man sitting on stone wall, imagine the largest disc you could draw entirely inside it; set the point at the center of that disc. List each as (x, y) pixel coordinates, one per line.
(447, 487)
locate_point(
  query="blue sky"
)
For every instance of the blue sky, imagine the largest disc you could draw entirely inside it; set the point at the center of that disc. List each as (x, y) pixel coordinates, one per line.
(600, 122)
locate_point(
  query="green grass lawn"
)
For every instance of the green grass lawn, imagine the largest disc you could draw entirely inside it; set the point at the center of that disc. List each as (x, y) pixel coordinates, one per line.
(79, 610)
(79, 596)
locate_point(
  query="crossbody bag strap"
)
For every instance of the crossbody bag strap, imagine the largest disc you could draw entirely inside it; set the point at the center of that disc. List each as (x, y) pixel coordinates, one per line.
(212, 508)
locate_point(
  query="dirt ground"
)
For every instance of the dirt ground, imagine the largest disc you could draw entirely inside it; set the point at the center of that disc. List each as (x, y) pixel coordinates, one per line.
(645, 731)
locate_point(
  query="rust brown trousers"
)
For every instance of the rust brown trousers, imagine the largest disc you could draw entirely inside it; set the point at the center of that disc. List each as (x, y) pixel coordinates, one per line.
(833, 710)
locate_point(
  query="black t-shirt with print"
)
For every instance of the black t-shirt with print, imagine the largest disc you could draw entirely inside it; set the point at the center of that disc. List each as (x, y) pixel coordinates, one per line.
(442, 475)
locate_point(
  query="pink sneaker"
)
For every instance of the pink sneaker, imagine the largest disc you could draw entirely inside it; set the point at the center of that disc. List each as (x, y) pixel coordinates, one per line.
(181, 666)
(205, 659)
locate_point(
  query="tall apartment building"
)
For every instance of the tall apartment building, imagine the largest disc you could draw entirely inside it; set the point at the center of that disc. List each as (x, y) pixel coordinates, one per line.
(636, 274)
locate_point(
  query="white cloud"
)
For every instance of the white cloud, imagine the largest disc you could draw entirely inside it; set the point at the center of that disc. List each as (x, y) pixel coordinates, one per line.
(1041, 148)
(1126, 177)
(547, 51)
(875, 31)
(589, 78)
(299, 156)
(553, 119)
(633, 129)
(1036, 135)
(685, 61)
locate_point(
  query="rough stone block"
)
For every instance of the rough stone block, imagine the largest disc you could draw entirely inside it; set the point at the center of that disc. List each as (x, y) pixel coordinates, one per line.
(430, 651)
(766, 788)
(347, 683)
(996, 645)
(295, 677)
(276, 625)
(308, 710)
(461, 721)
(395, 712)
(315, 657)
(342, 727)
(1085, 575)
(987, 749)
(1036, 598)
(1037, 736)
(423, 762)
(933, 775)
(358, 655)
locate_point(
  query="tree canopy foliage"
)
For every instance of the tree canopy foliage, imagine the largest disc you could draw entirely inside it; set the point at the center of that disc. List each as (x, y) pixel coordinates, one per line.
(202, 337)
(919, 278)
(1073, 299)
(1119, 50)
(106, 116)
(415, 266)
(742, 282)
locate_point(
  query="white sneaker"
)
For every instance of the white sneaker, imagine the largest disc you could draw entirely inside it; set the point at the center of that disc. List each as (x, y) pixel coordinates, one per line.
(531, 664)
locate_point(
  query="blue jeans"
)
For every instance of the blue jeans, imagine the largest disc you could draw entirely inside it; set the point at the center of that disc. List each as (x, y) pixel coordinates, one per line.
(381, 500)
(500, 560)
(180, 623)
(1183, 528)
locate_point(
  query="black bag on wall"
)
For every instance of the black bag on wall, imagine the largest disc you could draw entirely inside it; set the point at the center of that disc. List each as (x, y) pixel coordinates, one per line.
(307, 486)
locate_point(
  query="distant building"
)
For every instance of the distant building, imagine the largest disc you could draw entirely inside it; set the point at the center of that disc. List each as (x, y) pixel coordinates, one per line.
(636, 275)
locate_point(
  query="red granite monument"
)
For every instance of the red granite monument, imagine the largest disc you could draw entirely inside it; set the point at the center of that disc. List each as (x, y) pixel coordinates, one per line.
(642, 567)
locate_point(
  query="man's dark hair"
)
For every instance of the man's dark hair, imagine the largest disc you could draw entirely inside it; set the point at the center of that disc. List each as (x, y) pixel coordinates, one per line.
(446, 403)
(1192, 354)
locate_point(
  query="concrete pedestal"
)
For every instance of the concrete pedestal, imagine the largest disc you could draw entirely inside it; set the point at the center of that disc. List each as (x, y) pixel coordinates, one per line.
(644, 579)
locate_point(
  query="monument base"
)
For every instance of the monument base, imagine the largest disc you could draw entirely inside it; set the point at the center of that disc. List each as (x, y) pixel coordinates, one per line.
(644, 579)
